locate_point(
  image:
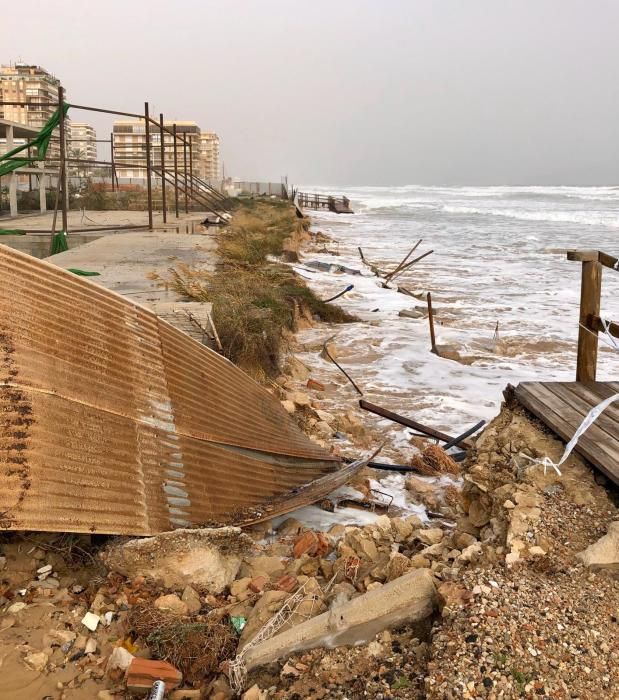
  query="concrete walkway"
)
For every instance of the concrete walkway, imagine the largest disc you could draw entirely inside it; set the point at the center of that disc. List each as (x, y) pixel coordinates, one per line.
(133, 264)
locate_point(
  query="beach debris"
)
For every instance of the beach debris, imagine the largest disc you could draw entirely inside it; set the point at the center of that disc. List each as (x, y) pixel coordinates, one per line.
(434, 460)
(603, 554)
(91, 621)
(332, 267)
(339, 294)
(403, 262)
(410, 423)
(142, 673)
(467, 433)
(327, 352)
(409, 598)
(209, 557)
(316, 386)
(433, 347)
(157, 691)
(412, 313)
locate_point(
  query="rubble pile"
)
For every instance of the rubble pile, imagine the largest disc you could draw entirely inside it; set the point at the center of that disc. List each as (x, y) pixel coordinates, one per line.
(509, 591)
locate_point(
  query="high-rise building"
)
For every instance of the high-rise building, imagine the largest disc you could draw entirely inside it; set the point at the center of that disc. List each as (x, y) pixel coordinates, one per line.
(130, 147)
(31, 84)
(209, 149)
(82, 144)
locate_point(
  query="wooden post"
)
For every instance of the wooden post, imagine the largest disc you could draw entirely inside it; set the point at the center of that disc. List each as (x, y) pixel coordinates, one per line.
(112, 160)
(174, 138)
(431, 321)
(590, 300)
(162, 151)
(63, 158)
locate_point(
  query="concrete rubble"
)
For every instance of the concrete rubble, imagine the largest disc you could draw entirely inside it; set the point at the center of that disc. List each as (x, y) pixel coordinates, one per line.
(400, 607)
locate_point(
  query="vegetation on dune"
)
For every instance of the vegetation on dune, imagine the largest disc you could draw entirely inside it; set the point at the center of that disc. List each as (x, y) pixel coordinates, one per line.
(256, 301)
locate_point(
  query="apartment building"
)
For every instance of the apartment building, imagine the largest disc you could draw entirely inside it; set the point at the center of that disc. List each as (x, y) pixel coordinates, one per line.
(82, 144)
(32, 84)
(130, 148)
(209, 150)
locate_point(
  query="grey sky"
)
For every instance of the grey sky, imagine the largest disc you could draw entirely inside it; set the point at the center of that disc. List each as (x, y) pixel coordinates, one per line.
(352, 91)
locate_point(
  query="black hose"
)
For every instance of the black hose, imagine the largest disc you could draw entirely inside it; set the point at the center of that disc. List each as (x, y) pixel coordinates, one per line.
(350, 286)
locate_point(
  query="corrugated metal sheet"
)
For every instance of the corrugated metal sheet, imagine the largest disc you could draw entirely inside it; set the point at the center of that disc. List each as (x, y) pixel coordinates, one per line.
(113, 421)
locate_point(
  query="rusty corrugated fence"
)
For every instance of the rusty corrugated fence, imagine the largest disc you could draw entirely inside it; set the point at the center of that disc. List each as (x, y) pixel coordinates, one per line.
(113, 421)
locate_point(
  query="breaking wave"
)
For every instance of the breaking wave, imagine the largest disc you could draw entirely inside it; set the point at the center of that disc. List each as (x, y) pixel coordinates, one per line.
(588, 218)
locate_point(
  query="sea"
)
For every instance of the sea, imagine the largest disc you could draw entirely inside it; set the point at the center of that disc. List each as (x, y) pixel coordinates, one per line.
(505, 297)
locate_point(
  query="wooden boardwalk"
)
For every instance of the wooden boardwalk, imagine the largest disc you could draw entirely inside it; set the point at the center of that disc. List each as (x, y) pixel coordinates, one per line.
(562, 406)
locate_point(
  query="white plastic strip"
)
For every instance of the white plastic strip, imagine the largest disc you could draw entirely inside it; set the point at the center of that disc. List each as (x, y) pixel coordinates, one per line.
(589, 419)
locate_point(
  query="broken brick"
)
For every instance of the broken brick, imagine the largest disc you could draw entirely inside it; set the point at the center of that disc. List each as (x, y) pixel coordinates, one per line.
(142, 673)
(287, 583)
(314, 544)
(258, 583)
(313, 384)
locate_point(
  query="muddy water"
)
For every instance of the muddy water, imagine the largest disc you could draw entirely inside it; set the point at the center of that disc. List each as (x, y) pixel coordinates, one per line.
(495, 260)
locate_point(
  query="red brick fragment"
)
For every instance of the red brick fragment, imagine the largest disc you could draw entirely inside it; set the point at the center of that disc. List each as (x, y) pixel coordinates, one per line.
(287, 583)
(314, 544)
(313, 384)
(258, 583)
(142, 673)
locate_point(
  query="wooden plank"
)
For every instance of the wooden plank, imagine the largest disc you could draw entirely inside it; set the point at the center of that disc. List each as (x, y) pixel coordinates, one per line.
(568, 392)
(564, 421)
(595, 392)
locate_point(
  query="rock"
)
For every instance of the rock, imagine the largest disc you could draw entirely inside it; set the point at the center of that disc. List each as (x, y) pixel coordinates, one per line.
(453, 594)
(16, 607)
(173, 604)
(362, 544)
(331, 349)
(299, 399)
(120, 660)
(402, 529)
(289, 406)
(411, 313)
(36, 660)
(536, 551)
(47, 569)
(287, 583)
(142, 673)
(430, 536)
(603, 554)
(106, 695)
(462, 540)
(471, 553)
(420, 562)
(186, 694)
(191, 600)
(410, 598)
(271, 566)
(479, 512)
(297, 369)
(254, 693)
(418, 485)
(258, 583)
(91, 646)
(261, 613)
(290, 526)
(91, 621)
(208, 557)
(58, 637)
(240, 588)
(398, 566)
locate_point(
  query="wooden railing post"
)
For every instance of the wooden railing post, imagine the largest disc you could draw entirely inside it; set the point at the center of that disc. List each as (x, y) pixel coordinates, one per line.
(590, 302)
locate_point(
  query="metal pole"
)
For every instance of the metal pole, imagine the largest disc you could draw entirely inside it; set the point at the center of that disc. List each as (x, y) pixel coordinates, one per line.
(191, 166)
(63, 169)
(431, 320)
(175, 171)
(185, 173)
(112, 160)
(162, 150)
(149, 188)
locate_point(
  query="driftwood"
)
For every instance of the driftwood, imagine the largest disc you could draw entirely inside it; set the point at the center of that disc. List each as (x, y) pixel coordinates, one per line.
(412, 262)
(403, 262)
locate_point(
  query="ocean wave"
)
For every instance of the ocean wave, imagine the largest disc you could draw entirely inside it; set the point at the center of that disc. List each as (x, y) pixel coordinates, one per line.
(588, 218)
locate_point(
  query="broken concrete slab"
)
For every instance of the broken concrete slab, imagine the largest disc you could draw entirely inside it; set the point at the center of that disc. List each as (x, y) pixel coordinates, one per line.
(410, 598)
(208, 557)
(603, 554)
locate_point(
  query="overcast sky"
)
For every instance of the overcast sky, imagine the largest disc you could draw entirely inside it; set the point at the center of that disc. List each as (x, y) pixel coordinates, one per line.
(373, 92)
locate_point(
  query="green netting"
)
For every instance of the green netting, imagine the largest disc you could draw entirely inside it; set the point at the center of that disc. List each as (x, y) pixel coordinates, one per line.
(12, 232)
(59, 243)
(82, 273)
(8, 161)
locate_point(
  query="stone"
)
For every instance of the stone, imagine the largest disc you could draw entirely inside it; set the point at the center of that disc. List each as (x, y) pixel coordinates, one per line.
(479, 513)
(430, 536)
(286, 583)
(240, 588)
(261, 613)
(411, 313)
(120, 660)
(453, 594)
(36, 660)
(463, 540)
(191, 600)
(172, 603)
(254, 693)
(142, 673)
(106, 695)
(536, 551)
(271, 566)
(58, 637)
(410, 598)
(512, 557)
(91, 646)
(91, 621)
(401, 529)
(204, 557)
(418, 485)
(299, 399)
(398, 566)
(186, 694)
(418, 561)
(471, 553)
(16, 607)
(363, 545)
(290, 526)
(289, 406)
(603, 554)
